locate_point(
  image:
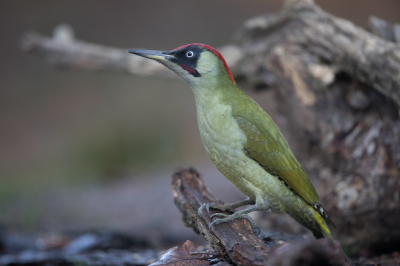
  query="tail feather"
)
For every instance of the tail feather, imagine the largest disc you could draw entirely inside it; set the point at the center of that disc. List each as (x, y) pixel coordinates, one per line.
(320, 220)
(318, 207)
(321, 223)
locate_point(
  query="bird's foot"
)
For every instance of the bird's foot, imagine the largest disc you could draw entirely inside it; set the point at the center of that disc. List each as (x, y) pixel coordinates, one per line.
(228, 207)
(223, 208)
(224, 218)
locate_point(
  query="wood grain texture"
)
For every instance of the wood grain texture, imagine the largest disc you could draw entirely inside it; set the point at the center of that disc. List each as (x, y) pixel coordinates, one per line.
(236, 241)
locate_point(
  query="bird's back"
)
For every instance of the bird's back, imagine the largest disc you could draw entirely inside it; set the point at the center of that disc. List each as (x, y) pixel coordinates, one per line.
(267, 145)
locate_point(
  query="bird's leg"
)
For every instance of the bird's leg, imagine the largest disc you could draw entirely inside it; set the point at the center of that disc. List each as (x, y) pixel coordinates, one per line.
(224, 218)
(229, 207)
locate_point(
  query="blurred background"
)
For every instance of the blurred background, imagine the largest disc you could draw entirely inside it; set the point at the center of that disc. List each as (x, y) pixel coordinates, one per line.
(84, 150)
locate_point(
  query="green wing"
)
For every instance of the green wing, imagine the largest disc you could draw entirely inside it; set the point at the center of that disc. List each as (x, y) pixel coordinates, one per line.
(266, 145)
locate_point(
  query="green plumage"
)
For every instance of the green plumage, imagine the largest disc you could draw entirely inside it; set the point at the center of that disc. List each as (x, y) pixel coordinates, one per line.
(243, 142)
(266, 145)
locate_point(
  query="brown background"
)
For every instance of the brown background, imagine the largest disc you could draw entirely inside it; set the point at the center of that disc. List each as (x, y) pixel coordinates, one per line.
(96, 150)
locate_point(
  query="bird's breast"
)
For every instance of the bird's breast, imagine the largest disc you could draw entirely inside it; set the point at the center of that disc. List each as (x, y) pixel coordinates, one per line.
(224, 142)
(220, 133)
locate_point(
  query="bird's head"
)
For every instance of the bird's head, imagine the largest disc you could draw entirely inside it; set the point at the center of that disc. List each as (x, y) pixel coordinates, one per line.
(196, 63)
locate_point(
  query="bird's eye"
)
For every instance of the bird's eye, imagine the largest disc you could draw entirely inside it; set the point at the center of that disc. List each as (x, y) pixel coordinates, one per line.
(189, 54)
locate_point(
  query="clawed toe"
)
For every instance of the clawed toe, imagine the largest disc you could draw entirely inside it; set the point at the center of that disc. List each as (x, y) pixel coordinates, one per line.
(218, 221)
(213, 205)
(209, 205)
(223, 218)
(200, 210)
(219, 215)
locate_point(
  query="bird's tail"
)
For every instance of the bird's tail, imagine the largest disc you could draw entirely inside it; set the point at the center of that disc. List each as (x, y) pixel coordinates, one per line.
(325, 231)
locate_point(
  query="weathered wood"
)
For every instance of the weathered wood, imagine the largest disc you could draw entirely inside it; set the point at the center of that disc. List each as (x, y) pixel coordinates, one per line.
(188, 256)
(367, 57)
(64, 51)
(331, 41)
(235, 240)
(383, 29)
(338, 91)
(336, 96)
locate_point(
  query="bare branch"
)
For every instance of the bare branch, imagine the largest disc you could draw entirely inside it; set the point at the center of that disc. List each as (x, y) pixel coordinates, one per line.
(367, 57)
(336, 41)
(235, 240)
(64, 51)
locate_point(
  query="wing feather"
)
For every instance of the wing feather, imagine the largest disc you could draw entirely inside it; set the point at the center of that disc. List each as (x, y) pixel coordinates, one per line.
(266, 145)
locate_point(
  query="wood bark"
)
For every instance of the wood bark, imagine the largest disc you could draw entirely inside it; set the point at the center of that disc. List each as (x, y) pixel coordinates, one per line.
(337, 87)
(336, 93)
(236, 241)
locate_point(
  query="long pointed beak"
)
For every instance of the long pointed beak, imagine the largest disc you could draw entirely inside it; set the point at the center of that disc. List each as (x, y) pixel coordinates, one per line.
(156, 55)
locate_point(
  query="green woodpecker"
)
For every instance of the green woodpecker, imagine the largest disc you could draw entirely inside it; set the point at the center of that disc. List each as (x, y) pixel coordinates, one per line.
(243, 141)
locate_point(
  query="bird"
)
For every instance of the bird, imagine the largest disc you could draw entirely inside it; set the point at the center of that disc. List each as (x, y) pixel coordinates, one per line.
(243, 142)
